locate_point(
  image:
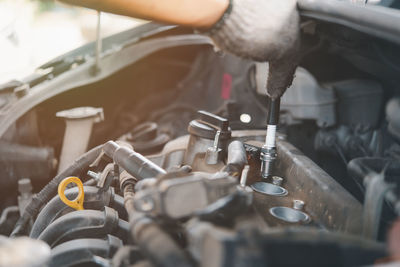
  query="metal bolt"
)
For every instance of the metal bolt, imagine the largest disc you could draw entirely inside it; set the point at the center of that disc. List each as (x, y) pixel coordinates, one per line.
(216, 140)
(22, 90)
(94, 175)
(243, 177)
(212, 154)
(267, 157)
(298, 204)
(282, 137)
(276, 180)
(25, 186)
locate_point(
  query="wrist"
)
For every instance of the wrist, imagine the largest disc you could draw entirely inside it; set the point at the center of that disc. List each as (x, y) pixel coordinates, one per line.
(260, 30)
(217, 24)
(213, 14)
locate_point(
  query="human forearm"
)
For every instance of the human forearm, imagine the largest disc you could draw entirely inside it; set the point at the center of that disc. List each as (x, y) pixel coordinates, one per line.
(261, 30)
(194, 13)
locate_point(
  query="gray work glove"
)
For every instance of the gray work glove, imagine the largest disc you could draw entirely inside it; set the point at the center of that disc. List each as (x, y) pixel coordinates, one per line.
(262, 30)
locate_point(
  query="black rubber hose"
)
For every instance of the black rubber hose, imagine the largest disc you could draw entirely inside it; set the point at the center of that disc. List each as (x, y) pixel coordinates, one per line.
(93, 201)
(32, 209)
(237, 158)
(85, 224)
(82, 252)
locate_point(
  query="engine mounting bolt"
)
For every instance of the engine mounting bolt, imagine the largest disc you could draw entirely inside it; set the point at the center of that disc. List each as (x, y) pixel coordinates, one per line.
(298, 204)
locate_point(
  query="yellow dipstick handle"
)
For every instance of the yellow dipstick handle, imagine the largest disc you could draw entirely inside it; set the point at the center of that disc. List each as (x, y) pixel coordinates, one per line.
(77, 203)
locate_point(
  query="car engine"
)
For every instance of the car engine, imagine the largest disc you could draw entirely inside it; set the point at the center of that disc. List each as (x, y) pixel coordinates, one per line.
(154, 157)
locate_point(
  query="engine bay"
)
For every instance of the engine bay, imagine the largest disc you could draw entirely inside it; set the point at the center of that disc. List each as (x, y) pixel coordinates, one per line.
(166, 155)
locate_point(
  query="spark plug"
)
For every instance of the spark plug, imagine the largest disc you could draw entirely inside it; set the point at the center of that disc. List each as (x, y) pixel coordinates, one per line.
(268, 151)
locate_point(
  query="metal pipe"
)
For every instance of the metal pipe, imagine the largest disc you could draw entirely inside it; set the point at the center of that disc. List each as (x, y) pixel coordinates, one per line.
(98, 43)
(79, 123)
(134, 163)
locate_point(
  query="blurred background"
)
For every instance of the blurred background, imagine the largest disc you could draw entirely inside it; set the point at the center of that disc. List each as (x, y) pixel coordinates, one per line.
(34, 31)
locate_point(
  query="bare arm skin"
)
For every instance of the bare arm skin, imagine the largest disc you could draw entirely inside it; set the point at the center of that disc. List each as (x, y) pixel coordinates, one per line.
(193, 13)
(261, 30)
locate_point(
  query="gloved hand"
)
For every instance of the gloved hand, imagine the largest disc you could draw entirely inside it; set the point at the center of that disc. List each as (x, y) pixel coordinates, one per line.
(262, 30)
